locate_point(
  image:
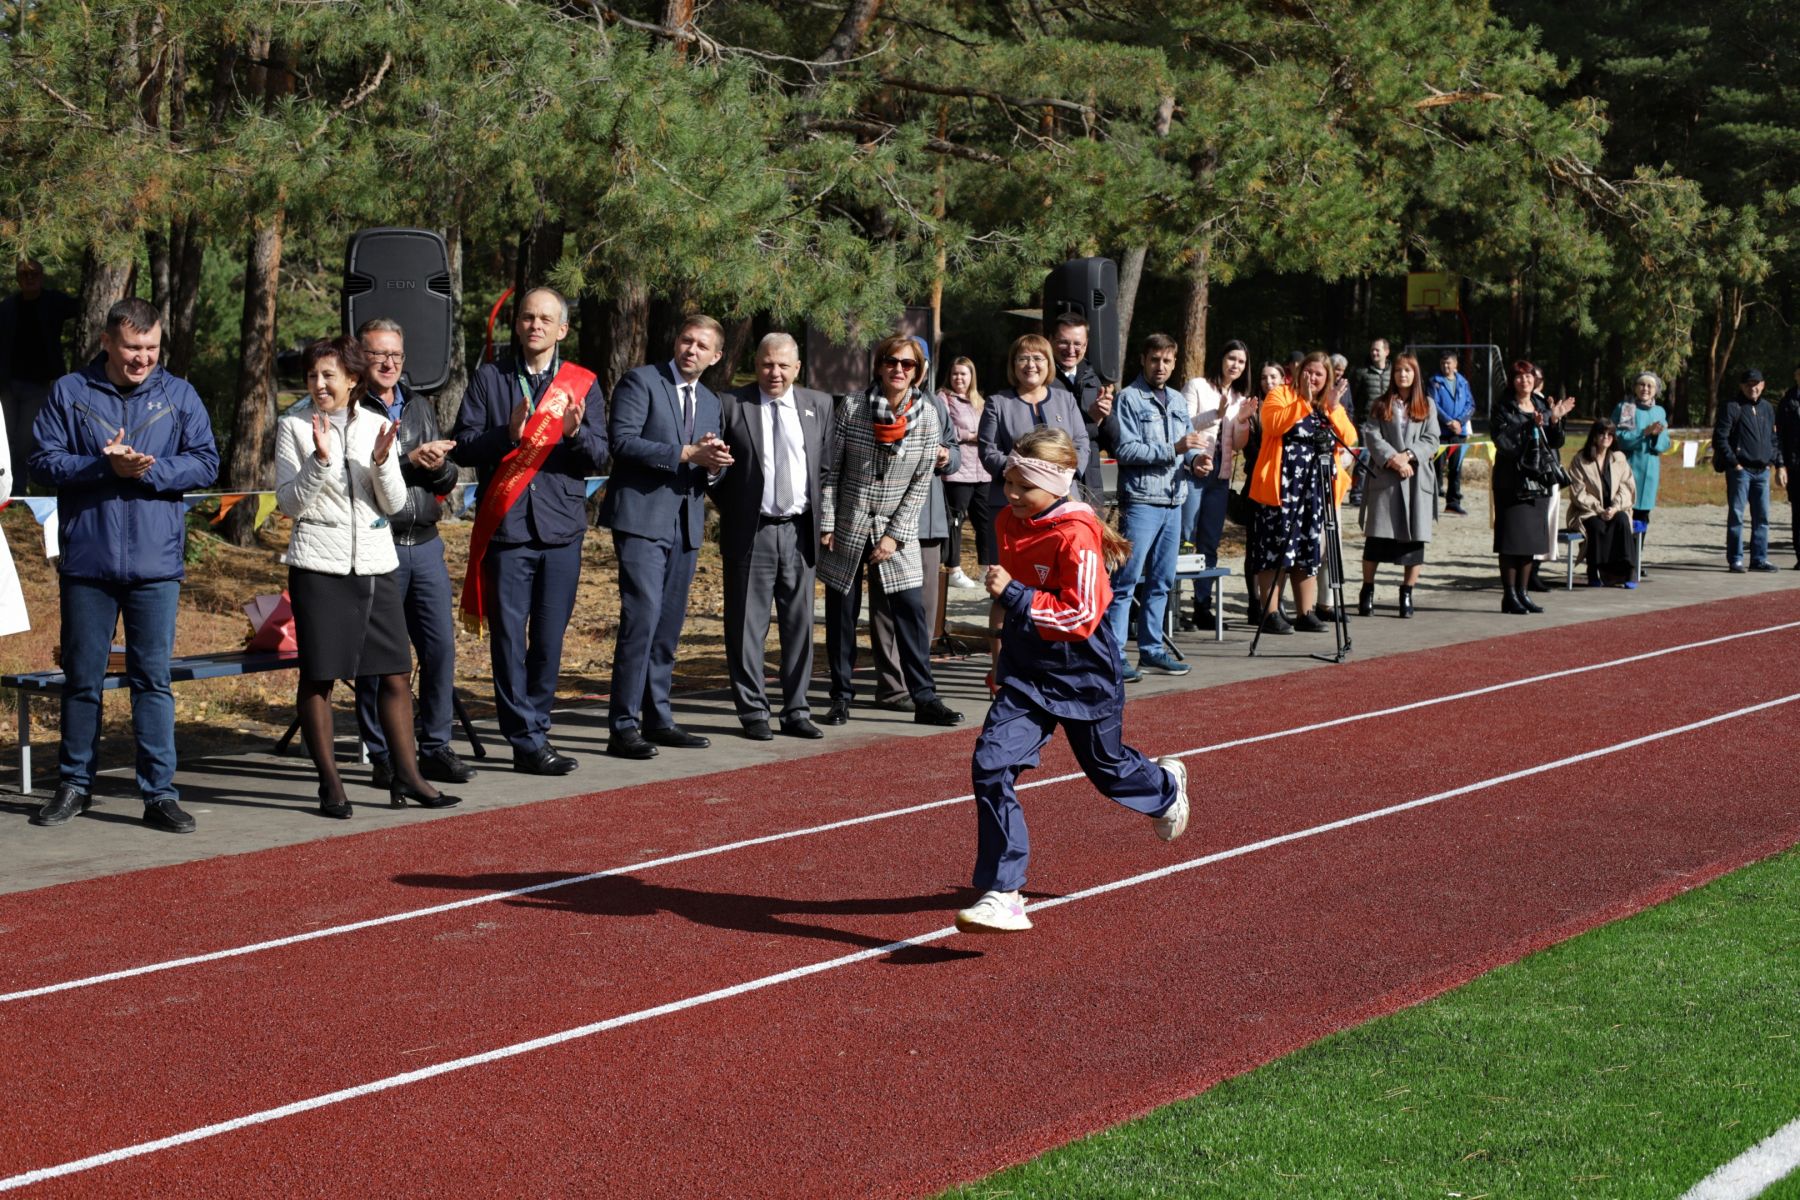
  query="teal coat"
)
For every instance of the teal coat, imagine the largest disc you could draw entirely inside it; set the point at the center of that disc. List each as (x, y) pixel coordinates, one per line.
(1643, 453)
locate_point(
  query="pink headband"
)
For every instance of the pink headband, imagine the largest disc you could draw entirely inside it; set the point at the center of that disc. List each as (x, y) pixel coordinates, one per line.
(1040, 474)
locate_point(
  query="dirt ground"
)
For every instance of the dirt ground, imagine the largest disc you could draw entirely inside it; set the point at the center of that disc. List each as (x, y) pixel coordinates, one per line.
(214, 715)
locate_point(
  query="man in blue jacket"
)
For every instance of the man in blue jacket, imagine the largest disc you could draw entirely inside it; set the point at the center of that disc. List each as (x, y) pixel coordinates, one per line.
(532, 563)
(666, 446)
(1155, 444)
(1456, 409)
(120, 441)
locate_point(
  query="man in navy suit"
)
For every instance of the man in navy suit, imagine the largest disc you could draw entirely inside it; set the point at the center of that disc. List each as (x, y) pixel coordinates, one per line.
(532, 563)
(664, 428)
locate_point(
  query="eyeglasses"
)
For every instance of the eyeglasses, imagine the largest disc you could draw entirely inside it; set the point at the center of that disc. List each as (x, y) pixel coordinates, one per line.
(1039, 359)
(386, 356)
(890, 362)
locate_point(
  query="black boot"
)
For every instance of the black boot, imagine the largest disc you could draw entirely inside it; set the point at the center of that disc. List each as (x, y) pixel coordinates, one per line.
(1509, 602)
(1406, 604)
(1365, 601)
(1527, 603)
(1533, 583)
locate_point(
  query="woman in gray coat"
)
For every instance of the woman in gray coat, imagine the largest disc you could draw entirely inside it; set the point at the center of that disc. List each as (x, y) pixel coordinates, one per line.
(1400, 500)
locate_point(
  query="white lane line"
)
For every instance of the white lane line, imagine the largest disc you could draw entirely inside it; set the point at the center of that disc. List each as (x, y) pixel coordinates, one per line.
(831, 826)
(1754, 1171)
(753, 985)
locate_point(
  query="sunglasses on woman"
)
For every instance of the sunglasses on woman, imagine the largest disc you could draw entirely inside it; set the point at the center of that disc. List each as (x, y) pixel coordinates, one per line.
(911, 364)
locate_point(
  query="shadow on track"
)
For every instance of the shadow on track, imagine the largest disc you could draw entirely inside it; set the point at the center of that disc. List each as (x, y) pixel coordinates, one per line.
(627, 896)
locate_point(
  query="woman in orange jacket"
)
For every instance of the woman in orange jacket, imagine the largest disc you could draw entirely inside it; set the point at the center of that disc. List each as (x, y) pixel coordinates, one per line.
(1286, 533)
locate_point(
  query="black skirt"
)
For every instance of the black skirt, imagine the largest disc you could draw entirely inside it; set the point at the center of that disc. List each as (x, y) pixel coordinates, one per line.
(1522, 527)
(1611, 545)
(348, 625)
(1393, 550)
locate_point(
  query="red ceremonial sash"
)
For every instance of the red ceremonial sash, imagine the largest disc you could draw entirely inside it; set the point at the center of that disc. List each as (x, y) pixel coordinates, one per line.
(543, 430)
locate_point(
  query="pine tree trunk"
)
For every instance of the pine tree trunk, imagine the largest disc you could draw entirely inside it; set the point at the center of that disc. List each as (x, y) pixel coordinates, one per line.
(1131, 270)
(186, 258)
(103, 284)
(253, 428)
(448, 399)
(624, 332)
(1193, 314)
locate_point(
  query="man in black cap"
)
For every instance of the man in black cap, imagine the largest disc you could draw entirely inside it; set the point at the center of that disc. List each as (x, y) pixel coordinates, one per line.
(1744, 448)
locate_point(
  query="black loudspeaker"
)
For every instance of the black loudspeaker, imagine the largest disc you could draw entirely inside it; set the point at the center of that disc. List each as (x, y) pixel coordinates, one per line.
(404, 275)
(1089, 286)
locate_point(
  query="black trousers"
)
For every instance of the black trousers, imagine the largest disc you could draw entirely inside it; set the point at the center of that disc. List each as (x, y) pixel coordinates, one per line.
(908, 607)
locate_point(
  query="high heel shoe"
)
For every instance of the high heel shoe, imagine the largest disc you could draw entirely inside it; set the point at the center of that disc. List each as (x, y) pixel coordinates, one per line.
(339, 810)
(1406, 604)
(399, 794)
(1529, 605)
(1511, 605)
(1365, 601)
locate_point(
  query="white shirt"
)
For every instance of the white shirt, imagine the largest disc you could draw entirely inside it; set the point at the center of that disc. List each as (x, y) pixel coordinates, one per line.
(781, 408)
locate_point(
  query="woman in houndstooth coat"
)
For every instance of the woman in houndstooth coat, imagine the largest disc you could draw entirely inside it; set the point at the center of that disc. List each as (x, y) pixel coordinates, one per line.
(875, 485)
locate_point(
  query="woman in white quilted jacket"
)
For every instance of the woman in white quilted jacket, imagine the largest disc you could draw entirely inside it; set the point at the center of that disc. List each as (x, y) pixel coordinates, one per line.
(337, 474)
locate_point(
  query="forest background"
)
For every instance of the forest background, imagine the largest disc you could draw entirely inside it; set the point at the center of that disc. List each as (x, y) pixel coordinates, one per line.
(1614, 182)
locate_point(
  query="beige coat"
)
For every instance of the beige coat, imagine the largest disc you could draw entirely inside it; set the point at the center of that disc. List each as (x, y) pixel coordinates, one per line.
(1585, 494)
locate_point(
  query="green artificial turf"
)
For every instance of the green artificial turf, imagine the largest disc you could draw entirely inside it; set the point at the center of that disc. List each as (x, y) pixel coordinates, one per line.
(1628, 1062)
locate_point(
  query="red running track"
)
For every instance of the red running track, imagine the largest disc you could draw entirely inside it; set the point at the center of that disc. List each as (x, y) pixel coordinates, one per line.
(904, 1069)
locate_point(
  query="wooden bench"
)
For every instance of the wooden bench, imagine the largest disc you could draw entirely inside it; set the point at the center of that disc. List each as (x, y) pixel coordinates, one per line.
(181, 670)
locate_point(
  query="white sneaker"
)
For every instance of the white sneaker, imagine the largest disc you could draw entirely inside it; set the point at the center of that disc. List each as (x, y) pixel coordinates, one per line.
(959, 579)
(1173, 823)
(995, 912)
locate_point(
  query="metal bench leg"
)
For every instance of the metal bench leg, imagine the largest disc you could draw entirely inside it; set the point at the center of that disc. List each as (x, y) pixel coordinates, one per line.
(468, 726)
(1569, 584)
(1218, 596)
(24, 742)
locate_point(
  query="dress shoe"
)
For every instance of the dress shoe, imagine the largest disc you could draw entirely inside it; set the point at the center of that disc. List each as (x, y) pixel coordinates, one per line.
(1275, 622)
(1309, 622)
(936, 712)
(1534, 584)
(1406, 601)
(1765, 567)
(337, 807)
(758, 731)
(543, 761)
(67, 801)
(1365, 601)
(1530, 605)
(443, 766)
(164, 814)
(381, 774)
(896, 704)
(677, 737)
(629, 743)
(801, 727)
(1737, 568)
(838, 713)
(1510, 605)
(399, 794)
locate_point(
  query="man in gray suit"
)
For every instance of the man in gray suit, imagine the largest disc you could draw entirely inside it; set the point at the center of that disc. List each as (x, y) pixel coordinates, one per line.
(778, 436)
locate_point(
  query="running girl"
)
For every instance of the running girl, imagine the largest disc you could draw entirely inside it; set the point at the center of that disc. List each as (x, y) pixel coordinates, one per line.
(1057, 665)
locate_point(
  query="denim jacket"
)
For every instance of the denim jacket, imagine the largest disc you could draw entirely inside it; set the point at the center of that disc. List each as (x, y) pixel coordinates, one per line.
(1145, 426)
